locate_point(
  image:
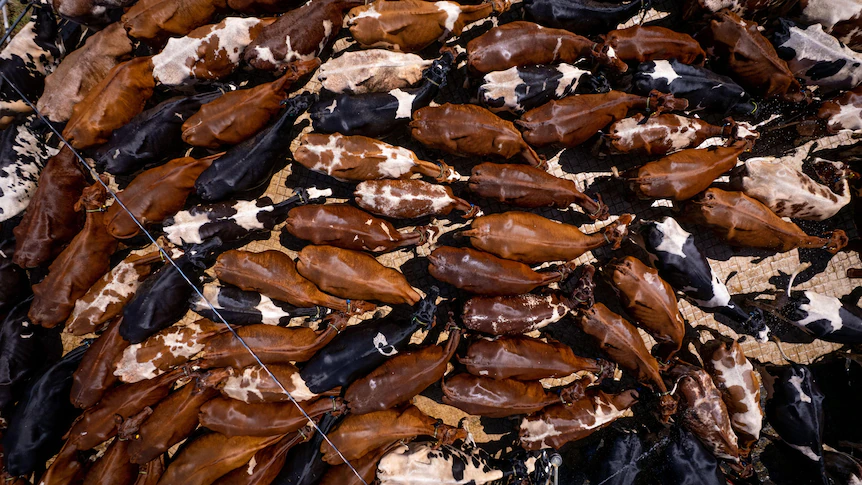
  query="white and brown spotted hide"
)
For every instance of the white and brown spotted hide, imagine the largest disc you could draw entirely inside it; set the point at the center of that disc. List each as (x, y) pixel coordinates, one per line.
(444, 465)
(371, 71)
(208, 52)
(789, 192)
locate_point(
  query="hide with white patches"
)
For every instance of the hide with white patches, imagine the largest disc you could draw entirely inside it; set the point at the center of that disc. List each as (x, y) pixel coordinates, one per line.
(574, 120)
(817, 57)
(106, 298)
(252, 163)
(232, 221)
(371, 71)
(788, 191)
(409, 199)
(374, 114)
(23, 154)
(30, 55)
(163, 351)
(843, 112)
(561, 423)
(300, 34)
(519, 89)
(208, 52)
(359, 349)
(661, 134)
(679, 262)
(412, 25)
(794, 408)
(841, 18)
(253, 384)
(739, 385)
(446, 465)
(701, 87)
(824, 317)
(703, 411)
(358, 158)
(248, 307)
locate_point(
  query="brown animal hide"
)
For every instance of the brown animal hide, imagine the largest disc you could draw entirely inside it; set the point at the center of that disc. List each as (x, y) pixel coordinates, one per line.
(51, 220)
(530, 238)
(573, 120)
(743, 221)
(401, 378)
(642, 44)
(111, 103)
(485, 274)
(238, 115)
(468, 130)
(155, 194)
(347, 227)
(530, 187)
(525, 43)
(81, 70)
(274, 274)
(651, 301)
(300, 34)
(411, 25)
(527, 359)
(78, 267)
(354, 275)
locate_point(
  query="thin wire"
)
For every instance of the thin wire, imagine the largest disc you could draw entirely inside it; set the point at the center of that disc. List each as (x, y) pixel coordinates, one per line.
(166, 256)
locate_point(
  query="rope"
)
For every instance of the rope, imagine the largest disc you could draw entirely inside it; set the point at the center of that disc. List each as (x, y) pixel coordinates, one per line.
(166, 256)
